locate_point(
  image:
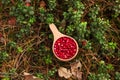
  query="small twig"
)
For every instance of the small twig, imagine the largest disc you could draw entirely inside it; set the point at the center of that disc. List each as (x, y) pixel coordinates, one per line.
(25, 49)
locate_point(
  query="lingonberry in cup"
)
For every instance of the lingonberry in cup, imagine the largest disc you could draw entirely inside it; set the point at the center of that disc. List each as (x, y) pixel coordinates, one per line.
(65, 48)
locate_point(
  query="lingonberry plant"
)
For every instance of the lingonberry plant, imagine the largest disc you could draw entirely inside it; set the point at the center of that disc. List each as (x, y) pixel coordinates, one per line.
(47, 59)
(116, 8)
(50, 73)
(4, 56)
(102, 72)
(5, 2)
(73, 15)
(45, 16)
(98, 28)
(117, 76)
(52, 4)
(24, 16)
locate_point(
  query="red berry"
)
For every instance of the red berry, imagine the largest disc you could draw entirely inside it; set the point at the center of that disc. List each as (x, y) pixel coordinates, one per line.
(27, 4)
(1, 38)
(1, 35)
(84, 43)
(65, 48)
(12, 21)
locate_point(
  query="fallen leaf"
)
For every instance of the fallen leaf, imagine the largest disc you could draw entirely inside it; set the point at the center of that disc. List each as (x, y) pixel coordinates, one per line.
(29, 76)
(63, 72)
(76, 70)
(79, 75)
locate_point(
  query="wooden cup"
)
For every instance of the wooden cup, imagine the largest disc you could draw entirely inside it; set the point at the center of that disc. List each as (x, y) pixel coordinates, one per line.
(58, 35)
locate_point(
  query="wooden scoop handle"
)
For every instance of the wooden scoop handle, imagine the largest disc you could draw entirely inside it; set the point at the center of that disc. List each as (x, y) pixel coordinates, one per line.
(55, 31)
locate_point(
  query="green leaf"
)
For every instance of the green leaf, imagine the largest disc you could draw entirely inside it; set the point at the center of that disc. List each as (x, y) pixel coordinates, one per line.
(19, 49)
